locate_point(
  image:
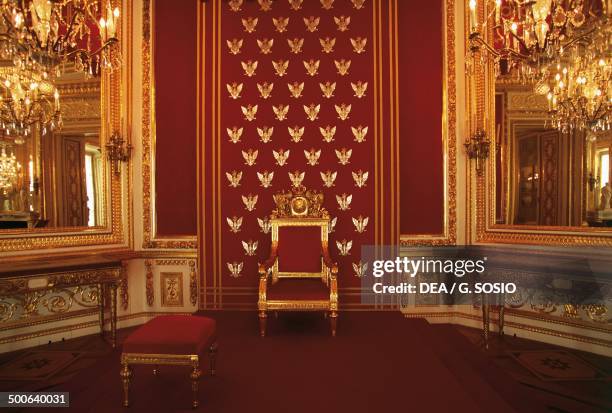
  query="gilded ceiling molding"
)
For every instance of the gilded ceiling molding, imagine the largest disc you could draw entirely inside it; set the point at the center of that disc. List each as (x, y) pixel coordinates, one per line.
(449, 135)
(150, 240)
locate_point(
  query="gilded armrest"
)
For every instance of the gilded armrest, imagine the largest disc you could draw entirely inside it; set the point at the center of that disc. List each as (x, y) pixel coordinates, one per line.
(267, 264)
(333, 267)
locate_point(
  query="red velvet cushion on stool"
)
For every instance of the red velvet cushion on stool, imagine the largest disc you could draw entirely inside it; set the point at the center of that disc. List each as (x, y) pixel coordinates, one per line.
(172, 334)
(298, 289)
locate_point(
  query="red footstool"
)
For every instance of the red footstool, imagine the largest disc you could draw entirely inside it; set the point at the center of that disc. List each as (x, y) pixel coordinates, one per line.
(177, 340)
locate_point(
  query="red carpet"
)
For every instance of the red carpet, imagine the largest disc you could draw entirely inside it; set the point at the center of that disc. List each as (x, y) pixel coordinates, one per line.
(380, 362)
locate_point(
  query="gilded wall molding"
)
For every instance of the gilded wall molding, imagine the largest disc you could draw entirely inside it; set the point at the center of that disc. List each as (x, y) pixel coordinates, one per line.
(171, 289)
(149, 290)
(449, 134)
(193, 283)
(150, 240)
(110, 94)
(481, 201)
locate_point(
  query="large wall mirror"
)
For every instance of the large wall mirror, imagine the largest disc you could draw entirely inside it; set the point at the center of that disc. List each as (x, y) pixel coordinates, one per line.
(547, 177)
(60, 100)
(540, 86)
(55, 178)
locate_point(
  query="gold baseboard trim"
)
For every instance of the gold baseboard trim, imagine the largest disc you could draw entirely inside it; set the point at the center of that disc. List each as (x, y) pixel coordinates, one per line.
(512, 324)
(79, 326)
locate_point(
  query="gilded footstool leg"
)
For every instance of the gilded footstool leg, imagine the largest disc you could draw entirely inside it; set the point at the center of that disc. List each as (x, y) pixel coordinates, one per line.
(126, 374)
(195, 376)
(262, 323)
(212, 357)
(333, 321)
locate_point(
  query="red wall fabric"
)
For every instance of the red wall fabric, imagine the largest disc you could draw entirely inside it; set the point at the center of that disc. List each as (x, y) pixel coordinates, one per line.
(232, 116)
(175, 115)
(420, 70)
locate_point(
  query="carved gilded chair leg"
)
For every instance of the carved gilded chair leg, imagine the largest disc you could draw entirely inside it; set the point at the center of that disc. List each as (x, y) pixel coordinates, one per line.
(195, 377)
(333, 321)
(262, 323)
(126, 374)
(212, 358)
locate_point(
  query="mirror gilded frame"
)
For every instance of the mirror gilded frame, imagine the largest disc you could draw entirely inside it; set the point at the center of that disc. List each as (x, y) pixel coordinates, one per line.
(480, 99)
(112, 108)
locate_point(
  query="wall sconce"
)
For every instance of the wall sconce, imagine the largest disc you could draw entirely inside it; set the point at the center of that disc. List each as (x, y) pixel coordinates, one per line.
(118, 150)
(592, 181)
(477, 147)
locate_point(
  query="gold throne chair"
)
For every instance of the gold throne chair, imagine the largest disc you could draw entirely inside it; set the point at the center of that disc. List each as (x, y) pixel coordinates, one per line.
(299, 275)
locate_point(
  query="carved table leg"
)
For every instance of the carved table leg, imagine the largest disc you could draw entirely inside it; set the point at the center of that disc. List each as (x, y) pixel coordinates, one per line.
(126, 374)
(485, 320)
(212, 358)
(262, 323)
(333, 321)
(113, 320)
(101, 308)
(195, 376)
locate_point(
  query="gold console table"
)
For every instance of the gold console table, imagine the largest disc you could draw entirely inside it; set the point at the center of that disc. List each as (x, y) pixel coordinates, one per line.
(29, 280)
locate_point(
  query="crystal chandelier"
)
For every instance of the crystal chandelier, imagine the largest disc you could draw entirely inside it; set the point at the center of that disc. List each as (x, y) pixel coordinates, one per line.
(9, 170)
(563, 47)
(42, 36)
(27, 100)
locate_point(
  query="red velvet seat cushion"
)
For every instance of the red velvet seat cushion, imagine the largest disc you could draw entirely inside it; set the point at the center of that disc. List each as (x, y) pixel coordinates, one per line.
(172, 334)
(299, 249)
(298, 289)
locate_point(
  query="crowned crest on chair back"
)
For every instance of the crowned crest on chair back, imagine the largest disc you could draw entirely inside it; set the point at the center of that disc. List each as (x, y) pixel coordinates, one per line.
(299, 202)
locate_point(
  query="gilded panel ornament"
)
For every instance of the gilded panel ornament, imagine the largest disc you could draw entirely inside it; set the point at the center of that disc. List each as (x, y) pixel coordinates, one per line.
(344, 247)
(172, 289)
(234, 89)
(235, 223)
(265, 45)
(327, 4)
(312, 111)
(329, 178)
(312, 23)
(250, 202)
(250, 247)
(281, 24)
(265, 89)
(300, 201)
(150, 294)
(281, 156)
(328, 89)
(328, 133)
(265, 5)
(342, 22)
(280, 112)
(235, 5)
(264, 225)
(250, 24)
(235, 45)
(234, 134)
(193, 283)
(343, 110)
(234, 178)
(296, 89)
(359, 88)
(296, 133)
(296, 178)
(360, 269)
(295, 4)
(249, 112)
(250, 157)
(312, 156)
(360, 223)
(296, 45)
(249, 67)
(359, 44)
(312, 67)
(344, 156)
(359, 133)
(344, 201)
(360, 177)
(265, 133)
(327, 44)
(235, 269)
(265, 178)
(342, 66)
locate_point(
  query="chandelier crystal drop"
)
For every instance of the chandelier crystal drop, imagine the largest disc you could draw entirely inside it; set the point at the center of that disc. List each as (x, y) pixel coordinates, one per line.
(562, 47)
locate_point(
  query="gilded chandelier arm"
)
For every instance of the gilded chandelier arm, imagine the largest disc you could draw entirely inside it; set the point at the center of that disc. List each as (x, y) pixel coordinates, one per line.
(267, 264)
(328, 261)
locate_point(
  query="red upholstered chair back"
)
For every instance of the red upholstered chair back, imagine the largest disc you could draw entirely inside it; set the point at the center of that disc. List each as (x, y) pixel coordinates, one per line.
(299, 242)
